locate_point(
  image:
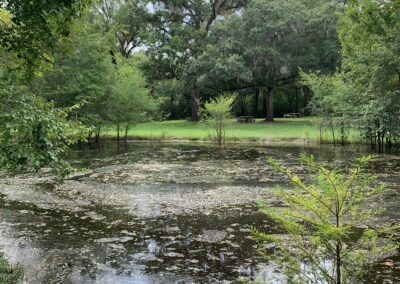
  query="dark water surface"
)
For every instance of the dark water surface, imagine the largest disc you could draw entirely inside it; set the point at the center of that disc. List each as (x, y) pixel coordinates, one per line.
(161, 213)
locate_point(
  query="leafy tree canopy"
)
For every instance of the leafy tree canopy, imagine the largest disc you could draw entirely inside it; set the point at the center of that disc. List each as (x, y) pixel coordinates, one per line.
(37, 26)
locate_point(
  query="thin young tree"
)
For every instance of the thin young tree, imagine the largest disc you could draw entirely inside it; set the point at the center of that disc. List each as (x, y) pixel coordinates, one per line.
(325, 223)
(218, 113)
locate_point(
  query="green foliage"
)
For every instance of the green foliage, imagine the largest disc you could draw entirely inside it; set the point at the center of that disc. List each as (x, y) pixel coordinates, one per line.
(130, 102)
(123, 24)
(179, 36)
(263, 47)
(35, 28)
(218, 113)
(210, 49)
(326, 221)
(86, 75)
(329, 104)
(172, 103)
(10, 273)
(278, 37)
(34, 134)
(369, 32)
(82, 74)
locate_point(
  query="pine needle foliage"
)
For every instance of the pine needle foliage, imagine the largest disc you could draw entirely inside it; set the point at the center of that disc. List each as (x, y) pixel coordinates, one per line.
(324, 219)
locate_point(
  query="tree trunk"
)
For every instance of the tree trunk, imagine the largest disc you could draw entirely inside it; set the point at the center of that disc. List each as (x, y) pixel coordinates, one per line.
(333, 132)
(307, 97)
(243, 106)
(126, 133)
(256, 98)
(320, 134)
(342, 134)
(97, 139)
(338, 249)
(195, 103)
(338, 263)
(171, 107)
(220, 135)
(118, 132)
(372, 142)
(269, 102)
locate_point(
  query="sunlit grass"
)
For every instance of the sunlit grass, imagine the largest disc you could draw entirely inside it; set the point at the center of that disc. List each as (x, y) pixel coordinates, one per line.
(281, 128)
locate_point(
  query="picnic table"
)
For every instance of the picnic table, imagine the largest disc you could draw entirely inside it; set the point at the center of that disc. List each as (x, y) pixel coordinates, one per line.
(291, 115)
(245, 119)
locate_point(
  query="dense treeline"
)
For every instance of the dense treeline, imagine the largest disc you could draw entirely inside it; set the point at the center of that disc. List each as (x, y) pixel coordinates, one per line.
(255, 48)
(364, 93)
(71, 67)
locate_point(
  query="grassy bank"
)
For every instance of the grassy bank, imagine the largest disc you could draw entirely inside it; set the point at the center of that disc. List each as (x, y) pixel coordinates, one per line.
(281, 129)
(9, 273)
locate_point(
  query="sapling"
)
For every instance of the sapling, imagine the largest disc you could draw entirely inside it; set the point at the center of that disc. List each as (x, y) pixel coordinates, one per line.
(324, 222)
(218, 113)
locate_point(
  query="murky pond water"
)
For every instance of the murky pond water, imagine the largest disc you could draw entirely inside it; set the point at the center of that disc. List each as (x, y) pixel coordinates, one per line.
(160, 213)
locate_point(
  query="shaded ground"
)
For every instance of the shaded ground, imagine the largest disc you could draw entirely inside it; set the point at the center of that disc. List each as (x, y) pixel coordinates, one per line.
(156, 213)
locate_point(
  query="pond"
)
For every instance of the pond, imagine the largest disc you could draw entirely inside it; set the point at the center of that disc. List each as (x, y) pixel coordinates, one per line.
(161, 213)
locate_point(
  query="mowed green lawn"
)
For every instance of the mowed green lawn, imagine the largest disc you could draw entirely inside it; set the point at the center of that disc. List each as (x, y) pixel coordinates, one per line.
(280, 129)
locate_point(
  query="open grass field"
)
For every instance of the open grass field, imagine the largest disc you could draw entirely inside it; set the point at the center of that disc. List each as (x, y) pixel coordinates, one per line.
(281, 129)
